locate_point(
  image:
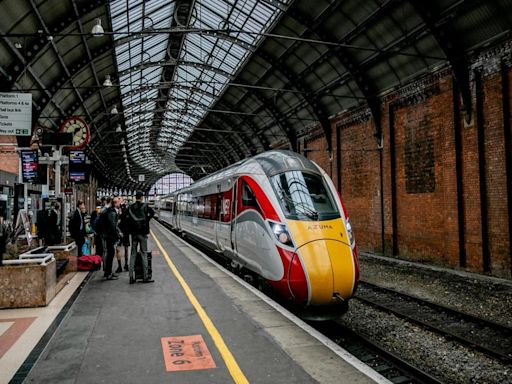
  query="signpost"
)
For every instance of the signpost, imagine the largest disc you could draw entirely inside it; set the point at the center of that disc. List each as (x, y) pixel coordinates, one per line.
(15, 114)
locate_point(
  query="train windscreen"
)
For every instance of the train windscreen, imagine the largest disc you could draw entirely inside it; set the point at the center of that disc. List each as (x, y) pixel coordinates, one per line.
(304, 196)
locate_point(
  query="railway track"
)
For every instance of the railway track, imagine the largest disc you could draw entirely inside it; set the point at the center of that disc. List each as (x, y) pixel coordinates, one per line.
(389, 365)
(490, 338)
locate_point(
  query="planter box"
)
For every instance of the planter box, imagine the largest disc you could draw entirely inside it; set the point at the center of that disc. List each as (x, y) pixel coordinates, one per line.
(27, 285)
(68, 252)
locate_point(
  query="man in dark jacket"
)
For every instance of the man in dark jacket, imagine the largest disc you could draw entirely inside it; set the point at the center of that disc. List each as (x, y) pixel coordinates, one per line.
(110, 234)
(138, 216)
(77, 226)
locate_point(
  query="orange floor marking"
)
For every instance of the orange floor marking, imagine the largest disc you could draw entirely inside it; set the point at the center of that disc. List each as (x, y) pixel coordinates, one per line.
(186, 353)
(13, 333)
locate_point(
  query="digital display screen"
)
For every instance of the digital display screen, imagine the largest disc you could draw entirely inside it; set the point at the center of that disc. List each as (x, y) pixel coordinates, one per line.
(29, 164)
(77, 166)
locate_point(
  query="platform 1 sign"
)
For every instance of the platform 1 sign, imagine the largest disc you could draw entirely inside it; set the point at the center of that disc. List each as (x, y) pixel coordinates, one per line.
(186, 353)
(15, 114)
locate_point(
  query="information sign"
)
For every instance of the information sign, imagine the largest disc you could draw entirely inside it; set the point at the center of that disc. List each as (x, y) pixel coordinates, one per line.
(15, 113)
(29, 164)
(77, 167)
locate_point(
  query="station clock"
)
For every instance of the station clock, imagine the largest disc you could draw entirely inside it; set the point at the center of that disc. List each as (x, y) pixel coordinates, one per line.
(79, 129)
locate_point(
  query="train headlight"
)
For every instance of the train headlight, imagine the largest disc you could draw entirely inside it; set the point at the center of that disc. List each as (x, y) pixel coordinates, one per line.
(282, 235)
(350, 232)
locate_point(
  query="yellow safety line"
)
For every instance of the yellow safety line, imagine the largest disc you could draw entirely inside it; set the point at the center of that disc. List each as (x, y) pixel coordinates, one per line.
(235, 371)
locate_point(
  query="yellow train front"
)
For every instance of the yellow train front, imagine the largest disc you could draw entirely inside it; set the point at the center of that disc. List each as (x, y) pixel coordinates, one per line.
(315, 239)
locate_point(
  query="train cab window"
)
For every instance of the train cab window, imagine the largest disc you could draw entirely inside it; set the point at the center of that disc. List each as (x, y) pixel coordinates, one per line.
(248, 198)
(304, 196)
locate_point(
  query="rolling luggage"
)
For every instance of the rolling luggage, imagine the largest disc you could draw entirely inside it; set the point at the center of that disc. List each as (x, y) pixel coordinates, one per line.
(138, 266)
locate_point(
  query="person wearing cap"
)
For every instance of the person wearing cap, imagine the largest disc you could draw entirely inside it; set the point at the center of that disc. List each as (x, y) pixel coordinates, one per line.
(138, 216)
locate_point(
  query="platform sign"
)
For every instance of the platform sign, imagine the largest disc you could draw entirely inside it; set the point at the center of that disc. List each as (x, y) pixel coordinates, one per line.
(15, 114)
(77, 167)
(29, 164)
(186, 353)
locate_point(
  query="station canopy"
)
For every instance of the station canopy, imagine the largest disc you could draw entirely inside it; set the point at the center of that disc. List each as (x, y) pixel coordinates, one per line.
(195, 85)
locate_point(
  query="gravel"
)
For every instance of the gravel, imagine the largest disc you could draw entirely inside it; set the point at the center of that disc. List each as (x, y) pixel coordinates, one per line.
(489, 298)
(444, 359)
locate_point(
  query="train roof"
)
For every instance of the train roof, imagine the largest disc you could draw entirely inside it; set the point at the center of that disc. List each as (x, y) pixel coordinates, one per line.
(275, 162)
(270, 162)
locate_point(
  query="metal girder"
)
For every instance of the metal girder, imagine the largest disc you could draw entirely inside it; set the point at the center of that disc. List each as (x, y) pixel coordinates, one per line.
(57, 27)
(307, 94)
(364, 84)
(170, 62)
(445, 37)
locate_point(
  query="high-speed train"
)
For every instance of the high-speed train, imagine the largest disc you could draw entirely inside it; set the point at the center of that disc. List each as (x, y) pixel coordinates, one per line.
(279, 216)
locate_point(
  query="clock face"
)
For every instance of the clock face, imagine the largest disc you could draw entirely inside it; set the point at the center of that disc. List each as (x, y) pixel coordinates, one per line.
(79, 129)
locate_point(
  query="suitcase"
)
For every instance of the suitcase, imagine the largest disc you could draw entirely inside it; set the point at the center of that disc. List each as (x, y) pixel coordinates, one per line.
(139, 275)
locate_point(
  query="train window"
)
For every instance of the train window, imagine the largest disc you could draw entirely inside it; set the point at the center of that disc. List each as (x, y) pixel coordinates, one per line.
(248, 198)
(304, 196)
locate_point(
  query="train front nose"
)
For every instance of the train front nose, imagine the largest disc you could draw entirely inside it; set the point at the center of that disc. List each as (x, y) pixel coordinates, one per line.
(330, 270)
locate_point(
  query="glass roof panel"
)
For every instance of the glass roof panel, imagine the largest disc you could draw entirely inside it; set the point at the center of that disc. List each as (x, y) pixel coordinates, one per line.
(194, 88)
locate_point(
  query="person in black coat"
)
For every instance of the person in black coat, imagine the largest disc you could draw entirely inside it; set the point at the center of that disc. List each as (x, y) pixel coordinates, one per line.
(77, 226)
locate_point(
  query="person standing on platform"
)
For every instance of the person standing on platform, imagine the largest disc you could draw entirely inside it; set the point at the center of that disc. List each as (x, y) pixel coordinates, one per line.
(98, 243)
(53, 225)
(138, 216)
(110, 234)
(125, 240)
(77, 226)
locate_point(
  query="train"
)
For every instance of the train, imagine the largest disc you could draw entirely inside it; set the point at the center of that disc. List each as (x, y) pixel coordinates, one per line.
(275, 217)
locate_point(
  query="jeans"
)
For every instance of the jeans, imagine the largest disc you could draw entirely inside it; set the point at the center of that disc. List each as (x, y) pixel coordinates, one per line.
(143, 241)
(79, 241)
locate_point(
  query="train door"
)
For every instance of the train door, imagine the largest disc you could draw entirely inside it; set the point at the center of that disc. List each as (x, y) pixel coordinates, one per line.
(218, 219)
(179, 210)
(234, 200)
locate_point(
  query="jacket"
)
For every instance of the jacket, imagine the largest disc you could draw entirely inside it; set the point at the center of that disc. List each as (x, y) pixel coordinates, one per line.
(139, 209)
(110, 231)
(77, 225)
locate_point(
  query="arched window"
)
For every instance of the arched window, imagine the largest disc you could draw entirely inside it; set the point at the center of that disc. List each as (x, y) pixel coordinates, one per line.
(170, 183)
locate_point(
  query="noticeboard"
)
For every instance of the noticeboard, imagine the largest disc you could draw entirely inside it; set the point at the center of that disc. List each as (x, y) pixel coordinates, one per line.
(15, 114)
(77, 166)
(29, 165)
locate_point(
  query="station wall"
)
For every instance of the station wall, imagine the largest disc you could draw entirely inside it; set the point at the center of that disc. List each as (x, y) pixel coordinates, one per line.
(439, 188)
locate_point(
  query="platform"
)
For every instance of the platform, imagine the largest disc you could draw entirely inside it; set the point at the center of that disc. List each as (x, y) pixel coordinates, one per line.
(119, 333)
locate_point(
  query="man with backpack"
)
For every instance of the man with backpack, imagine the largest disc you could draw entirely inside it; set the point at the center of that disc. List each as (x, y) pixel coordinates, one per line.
(107, 226)
(138, 216)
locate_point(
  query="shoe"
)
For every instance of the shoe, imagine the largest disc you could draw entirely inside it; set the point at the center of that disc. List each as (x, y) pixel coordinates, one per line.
(126, 267)
(112, 277)
(119, 269)
(132, 280)
(148, 281)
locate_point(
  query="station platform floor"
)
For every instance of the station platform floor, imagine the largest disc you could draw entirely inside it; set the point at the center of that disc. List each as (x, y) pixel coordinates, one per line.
(196, 324)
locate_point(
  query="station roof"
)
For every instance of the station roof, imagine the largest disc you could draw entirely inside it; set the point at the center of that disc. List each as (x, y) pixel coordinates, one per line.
(201, 84)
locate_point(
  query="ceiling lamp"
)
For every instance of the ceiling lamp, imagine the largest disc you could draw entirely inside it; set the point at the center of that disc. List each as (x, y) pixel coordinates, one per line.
(97, 30)
(113, 111)
(107, 82)
(122, 142)
(118, 128)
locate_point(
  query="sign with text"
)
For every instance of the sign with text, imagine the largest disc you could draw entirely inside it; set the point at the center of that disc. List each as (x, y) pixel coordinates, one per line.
(77, 167)
(15, 113)
(186, 353)
(29, 164)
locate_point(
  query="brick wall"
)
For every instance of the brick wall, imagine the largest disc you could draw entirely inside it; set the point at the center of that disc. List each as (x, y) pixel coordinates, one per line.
(417, 217)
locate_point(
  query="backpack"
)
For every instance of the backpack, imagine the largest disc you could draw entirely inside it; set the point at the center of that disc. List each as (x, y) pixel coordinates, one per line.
(100, 224)
(138, 224)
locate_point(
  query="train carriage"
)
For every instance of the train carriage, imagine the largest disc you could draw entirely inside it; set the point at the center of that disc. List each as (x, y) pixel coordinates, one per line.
(279, 216)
